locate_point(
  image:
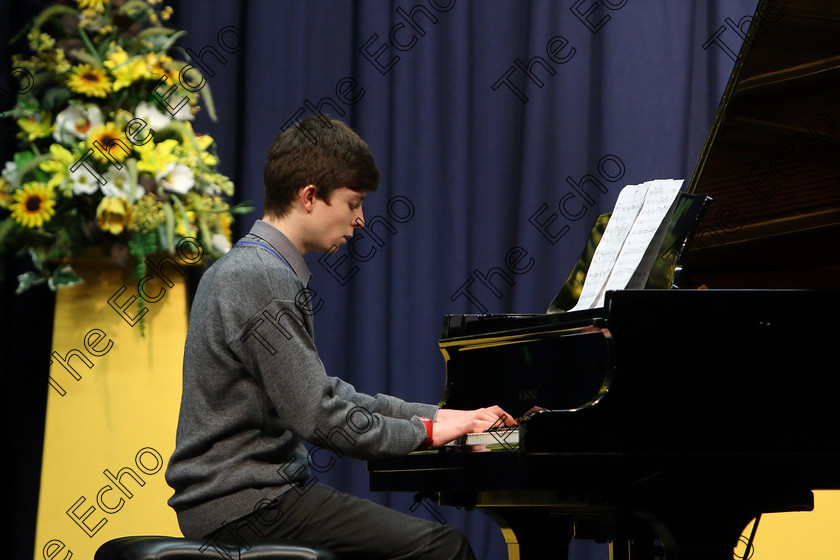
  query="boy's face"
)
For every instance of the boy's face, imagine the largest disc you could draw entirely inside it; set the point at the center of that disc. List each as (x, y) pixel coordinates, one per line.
(335, 222)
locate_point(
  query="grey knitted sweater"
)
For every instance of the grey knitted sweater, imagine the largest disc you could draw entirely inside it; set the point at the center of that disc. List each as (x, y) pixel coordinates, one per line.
(254, 389)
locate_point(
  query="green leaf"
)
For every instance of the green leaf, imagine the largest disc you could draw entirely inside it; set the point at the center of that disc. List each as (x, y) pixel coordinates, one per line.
(56, 97)
(64, 275)
(93, 52)
(171, 41)
(242, 208)
(170, 227)
(5, 228)
(39, 257)
(183, 210)
(27, 280)
(29, 166)
(85, 57)
(22, 158)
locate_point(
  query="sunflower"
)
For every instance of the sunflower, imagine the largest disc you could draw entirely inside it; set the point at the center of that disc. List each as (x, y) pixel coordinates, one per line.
(89, 80)
(111, 139)
(33, 205)
(126, 70)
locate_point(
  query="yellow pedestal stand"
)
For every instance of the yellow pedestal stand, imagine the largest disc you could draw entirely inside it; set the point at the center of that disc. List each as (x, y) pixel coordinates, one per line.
(792, 536)
(112, 410)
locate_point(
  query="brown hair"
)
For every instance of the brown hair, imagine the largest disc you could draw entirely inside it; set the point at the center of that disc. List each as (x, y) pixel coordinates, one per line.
(318, 151)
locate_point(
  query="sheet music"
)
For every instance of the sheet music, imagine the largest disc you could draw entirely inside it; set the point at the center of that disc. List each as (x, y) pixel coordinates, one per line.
(635, 258)
(627, 207)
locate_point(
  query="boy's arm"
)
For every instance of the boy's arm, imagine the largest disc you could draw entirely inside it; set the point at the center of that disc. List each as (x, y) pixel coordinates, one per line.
(383, 404)
(278, 350)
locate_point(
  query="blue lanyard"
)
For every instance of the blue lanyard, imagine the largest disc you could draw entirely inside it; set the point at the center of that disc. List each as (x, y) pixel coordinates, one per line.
(270, 250)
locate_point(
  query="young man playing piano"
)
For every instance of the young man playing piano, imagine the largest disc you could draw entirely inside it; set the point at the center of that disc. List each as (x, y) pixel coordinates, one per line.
(254, 387)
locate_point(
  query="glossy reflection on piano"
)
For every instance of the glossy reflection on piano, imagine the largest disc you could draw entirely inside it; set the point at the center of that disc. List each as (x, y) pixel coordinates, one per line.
(674, 417)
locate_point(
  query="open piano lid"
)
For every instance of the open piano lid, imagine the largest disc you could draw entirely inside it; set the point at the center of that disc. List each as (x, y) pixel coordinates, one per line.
(771, 161)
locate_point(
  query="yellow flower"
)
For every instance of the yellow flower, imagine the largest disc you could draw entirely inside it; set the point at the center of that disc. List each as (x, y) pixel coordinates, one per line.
(126, 70)
(184, 229)
(160, 65)
(58, 166)
(39, 126)
(155, 157)
(112, 214)
(204, 141)
(109, 134)
(5, 194)
(40, 41)
(147, 214)
(98, 5)
(33, 205)
(89, 80)
(62, 66)
(225, 220)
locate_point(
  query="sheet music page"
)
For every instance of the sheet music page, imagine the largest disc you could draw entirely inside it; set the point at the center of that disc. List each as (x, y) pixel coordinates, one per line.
(632, 265)
(627, 207)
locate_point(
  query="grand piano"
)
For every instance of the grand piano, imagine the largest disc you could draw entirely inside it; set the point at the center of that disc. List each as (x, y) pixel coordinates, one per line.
(672, 418)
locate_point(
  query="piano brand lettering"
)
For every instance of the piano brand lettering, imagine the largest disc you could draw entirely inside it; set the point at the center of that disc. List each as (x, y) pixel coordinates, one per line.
(553, 49)
(584, 10)
(109, 498)
(399, 208)
(25, 86)
(403, 37)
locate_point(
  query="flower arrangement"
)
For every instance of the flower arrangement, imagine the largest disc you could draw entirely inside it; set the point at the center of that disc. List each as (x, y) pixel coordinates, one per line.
(107, 153)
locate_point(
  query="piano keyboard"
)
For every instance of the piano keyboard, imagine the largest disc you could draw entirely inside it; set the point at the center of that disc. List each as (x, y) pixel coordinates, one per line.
(501, 438)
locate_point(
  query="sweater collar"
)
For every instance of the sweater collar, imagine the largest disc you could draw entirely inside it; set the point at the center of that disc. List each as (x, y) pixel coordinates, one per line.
(280, 243)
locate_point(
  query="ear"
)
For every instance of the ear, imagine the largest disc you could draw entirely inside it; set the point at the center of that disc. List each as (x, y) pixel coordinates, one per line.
(306, 197)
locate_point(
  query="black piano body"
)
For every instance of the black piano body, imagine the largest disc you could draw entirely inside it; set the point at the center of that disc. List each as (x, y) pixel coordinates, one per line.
(674, 417)
(681, 433)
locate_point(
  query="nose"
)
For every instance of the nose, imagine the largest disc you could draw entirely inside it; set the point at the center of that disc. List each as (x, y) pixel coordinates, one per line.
(359, 220)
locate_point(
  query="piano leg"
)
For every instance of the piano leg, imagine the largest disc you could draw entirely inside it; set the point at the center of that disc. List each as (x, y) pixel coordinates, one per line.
(533, 533)
(707, 526)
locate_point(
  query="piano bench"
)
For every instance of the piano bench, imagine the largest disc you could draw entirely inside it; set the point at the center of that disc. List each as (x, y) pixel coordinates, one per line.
(176, 548)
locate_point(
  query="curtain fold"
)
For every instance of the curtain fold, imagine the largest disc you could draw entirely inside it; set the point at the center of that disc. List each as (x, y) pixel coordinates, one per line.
(481, 116)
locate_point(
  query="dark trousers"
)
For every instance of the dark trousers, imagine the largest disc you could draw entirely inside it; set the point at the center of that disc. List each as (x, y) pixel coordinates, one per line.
(348, 526)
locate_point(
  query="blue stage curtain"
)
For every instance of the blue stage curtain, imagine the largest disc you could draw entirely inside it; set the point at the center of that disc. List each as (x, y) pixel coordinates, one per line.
(482, 116)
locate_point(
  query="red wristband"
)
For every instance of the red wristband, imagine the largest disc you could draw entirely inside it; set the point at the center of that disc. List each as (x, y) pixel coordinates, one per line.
(427, 443)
